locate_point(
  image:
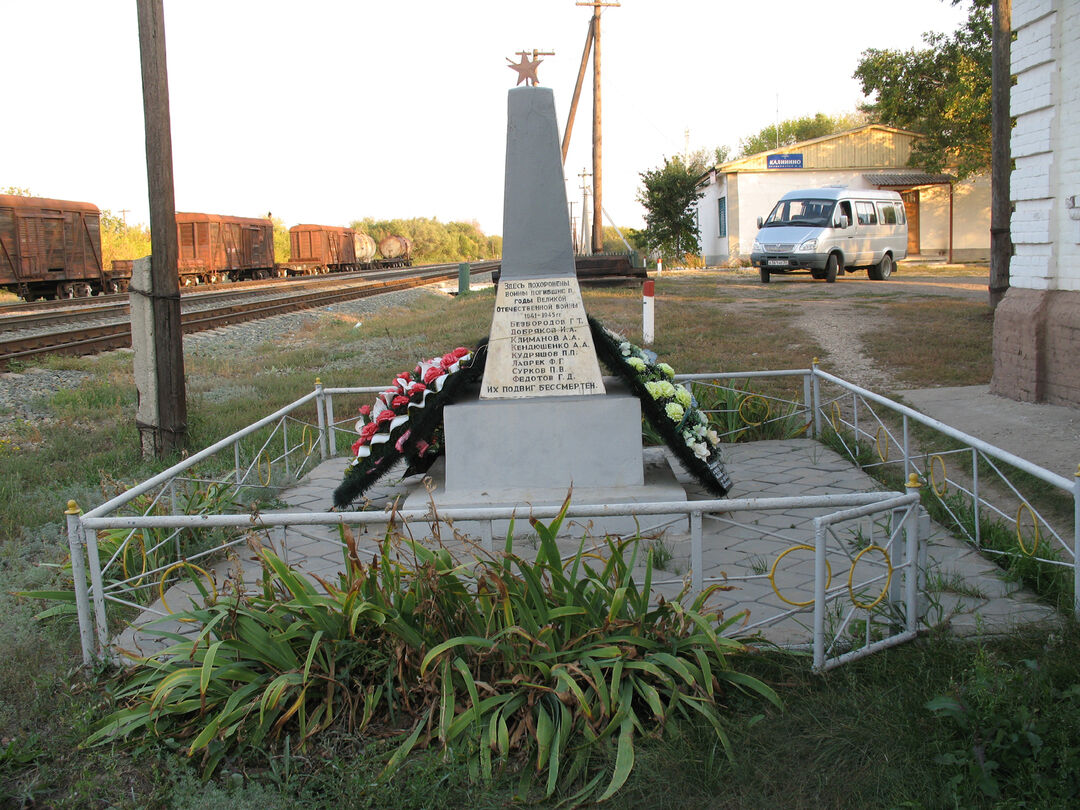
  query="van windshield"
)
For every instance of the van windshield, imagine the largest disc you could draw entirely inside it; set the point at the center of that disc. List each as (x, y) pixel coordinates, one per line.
(801, 212)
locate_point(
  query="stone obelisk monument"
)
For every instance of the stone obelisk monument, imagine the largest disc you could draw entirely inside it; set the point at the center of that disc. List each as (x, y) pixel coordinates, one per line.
(540, 343)
(544, 419)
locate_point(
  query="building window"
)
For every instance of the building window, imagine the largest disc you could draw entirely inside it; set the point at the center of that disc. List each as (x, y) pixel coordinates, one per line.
(721, 208)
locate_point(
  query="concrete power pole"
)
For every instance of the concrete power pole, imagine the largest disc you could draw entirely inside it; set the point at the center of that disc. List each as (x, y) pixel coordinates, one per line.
(157, 335)
(1000, 204)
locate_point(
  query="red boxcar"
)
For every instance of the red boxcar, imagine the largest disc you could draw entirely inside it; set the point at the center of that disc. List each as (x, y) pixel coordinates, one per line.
(51, 248)
(213, 248)
(321, 249)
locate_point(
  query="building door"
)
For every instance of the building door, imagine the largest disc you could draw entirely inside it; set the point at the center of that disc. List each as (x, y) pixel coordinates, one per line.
(911, 209)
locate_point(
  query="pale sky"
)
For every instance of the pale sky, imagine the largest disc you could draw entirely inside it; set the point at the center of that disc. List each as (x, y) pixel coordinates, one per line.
(326, 111)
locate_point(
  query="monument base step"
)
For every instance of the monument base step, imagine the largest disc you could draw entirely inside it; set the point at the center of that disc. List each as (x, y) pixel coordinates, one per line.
(660, 485)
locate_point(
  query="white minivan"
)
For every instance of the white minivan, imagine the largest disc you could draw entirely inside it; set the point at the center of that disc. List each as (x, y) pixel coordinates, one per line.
(825, 231)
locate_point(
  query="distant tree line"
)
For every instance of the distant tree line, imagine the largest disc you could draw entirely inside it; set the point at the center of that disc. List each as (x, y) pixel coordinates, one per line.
(435, 241)
(122, 241)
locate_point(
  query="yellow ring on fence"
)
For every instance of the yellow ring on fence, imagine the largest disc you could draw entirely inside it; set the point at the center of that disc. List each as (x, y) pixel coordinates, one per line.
(749, 398)
(269, 470)
(835, 416)
(123, 559)
(1019, 535)
(851, 576)
(944, 478)
(169, 570)
(307, 443)
(772, 575)
(877, 442)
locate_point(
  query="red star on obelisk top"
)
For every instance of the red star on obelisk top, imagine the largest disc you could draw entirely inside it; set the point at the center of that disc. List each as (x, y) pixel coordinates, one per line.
(526, 68)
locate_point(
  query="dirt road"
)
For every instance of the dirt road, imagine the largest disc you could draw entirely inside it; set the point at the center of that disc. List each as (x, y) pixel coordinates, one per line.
(837, 315)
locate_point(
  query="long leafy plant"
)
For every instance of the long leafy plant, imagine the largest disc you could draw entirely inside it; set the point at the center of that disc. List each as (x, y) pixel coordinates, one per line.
(551, 668)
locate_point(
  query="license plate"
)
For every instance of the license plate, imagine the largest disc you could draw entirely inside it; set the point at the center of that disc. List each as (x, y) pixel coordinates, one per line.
(777, 262)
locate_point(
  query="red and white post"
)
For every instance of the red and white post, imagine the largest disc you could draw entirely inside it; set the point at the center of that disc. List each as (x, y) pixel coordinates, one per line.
(648, 312)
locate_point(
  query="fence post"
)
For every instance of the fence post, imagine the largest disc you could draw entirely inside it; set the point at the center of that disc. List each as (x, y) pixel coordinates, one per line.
(911, 572)
(1076, 542)
(330, 424)
(819, 594)
(855, 420)
(907, 448)
(97, 584)
(808, 402)
(78, 573)
(816, 398)
(320, 410)
(697, 575)
(975, 496)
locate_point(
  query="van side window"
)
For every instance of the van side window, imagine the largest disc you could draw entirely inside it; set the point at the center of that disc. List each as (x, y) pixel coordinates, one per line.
(888, 213)
(845, 211)
(867, 214)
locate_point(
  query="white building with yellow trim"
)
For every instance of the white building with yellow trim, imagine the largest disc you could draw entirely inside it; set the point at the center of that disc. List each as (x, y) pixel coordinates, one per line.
(947, 219)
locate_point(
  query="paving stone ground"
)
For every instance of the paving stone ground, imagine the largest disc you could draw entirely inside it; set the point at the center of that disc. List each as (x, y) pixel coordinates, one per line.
(963, 589)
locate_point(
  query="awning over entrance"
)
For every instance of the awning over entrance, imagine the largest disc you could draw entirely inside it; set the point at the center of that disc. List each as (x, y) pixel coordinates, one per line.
(906, 179)
(906, 182)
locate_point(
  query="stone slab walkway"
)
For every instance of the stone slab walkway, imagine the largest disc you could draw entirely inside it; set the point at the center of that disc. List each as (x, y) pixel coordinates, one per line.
(963, 588)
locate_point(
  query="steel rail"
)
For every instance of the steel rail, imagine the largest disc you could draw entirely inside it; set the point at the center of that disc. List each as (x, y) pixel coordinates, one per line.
(88, 340)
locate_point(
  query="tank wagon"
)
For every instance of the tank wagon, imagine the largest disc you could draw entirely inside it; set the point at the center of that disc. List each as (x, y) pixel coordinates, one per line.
(215, 248)
(396, 251)
(52, 248)
(365, 248)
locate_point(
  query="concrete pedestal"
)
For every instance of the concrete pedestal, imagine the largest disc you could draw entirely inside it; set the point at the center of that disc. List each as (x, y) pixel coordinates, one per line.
(526, 453)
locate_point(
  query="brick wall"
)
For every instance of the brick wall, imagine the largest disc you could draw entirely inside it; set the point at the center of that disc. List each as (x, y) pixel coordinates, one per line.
(1037, 324)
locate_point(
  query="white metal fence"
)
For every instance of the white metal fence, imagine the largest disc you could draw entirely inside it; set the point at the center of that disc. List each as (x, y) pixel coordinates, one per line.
(151, 535)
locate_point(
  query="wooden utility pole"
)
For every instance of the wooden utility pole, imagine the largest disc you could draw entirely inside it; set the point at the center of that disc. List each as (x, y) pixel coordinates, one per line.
(597, 154)
(164, 430)
(577, 91)
(1001, 168)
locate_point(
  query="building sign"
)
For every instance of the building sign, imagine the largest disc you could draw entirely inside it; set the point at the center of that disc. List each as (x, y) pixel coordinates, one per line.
(783, 161)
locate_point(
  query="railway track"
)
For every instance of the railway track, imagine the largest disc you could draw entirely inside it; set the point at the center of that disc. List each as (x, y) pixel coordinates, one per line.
(199, 312)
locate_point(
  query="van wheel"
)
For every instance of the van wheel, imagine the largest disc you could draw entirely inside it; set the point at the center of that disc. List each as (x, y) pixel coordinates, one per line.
(882, 270)
(764, 271)
(817, 275)
(831, 266)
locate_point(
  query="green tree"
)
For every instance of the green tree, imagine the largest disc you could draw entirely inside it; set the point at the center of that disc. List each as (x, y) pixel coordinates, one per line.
(941, 91)
(795, 130)
(668, 195)
(435, 241)
(16, 191)
(282, 249)
(120, 240)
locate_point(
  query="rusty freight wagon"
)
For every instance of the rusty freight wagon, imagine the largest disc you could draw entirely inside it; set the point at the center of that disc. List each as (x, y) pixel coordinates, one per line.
(315, 249)
(218, 248)
(52, 248)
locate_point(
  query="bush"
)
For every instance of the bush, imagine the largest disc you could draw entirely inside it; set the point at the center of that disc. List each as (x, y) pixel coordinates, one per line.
(545, 666)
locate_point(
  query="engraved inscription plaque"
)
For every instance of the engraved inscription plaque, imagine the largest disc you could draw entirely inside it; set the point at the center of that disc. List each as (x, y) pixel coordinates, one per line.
(540, 342)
